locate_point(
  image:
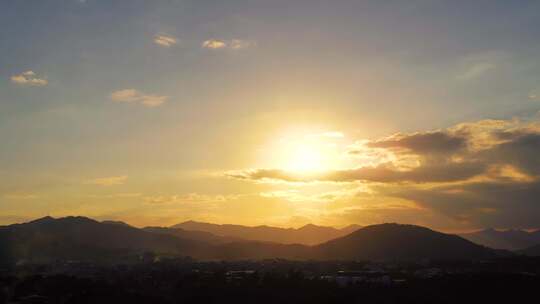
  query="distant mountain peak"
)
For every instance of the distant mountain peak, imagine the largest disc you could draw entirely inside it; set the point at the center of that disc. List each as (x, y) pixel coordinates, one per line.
(395, 226)
(119, 223)
(401, 242)
(510, 239)
(310, 226)
(43, 219)
(64, 220)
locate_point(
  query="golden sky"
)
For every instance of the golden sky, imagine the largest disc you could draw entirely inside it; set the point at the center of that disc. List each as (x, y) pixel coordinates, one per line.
(271, 112)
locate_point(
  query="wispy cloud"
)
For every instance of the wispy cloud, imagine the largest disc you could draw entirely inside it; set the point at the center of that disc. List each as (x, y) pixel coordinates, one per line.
(117, 195)
(478, 65)
(108, 181)
(135, 96)
(20, 196)
(476, 70)
(234, 44)
(238, 44)
(29, 78)
(534, 95)
(165, 40)
(300, 196)
(214, 44)
(188, 198)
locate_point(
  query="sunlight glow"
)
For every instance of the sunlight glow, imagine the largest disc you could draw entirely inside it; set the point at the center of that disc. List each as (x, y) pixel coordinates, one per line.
(305, 157)
(304, 151)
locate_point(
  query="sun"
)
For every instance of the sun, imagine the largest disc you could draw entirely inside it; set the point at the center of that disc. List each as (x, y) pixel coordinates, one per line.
(303, 151)
(304, 158)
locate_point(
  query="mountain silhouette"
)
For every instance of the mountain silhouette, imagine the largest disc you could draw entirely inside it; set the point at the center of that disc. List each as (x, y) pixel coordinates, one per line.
(116, 223)
(48, 239)
(201, 236)
(307, 235)
(531, 251)
(79, 238)
(401, 242)
(504, 239)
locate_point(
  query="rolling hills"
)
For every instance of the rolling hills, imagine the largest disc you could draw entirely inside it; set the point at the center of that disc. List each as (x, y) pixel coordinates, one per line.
(79, 238)
(504, 239)
(307, 235)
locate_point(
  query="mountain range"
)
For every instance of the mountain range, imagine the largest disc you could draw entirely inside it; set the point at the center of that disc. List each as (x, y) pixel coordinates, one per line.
(307, 235)
(504, 239)
(531, 251)
(79, 238)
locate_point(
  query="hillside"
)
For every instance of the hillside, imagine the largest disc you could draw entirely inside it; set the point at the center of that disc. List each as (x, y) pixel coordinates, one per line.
(79, 238)
(400, 242)
(201, 236)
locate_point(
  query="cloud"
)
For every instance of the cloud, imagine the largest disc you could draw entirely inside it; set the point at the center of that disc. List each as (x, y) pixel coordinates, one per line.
(135, 96)
(476, 70)
(29, 78)
(165, 40)
(385, 173)
(534, 95)
(117, 195)
(188, 198)
(423, 142)
(153, 100)
(477, 65)
(235, 44)
(108, 181)
(214, 44)
(300, 196)
(127, 95)
(484, 173)
(20, 196)
(484, 203)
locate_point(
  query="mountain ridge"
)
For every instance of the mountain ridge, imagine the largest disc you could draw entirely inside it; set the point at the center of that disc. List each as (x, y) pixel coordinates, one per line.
(80, 238)
(308, 234)
(511, 239)
(392, 241)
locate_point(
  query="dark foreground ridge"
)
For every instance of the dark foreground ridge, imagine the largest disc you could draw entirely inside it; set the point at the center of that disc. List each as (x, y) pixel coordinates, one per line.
(82, 239)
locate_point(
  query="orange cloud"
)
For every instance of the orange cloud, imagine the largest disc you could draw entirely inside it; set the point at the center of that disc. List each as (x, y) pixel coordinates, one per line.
(29, 78)
(135, 96)
(165, 40)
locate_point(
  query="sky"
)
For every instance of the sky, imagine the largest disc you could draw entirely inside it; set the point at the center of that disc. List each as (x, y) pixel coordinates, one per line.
(282, 112)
